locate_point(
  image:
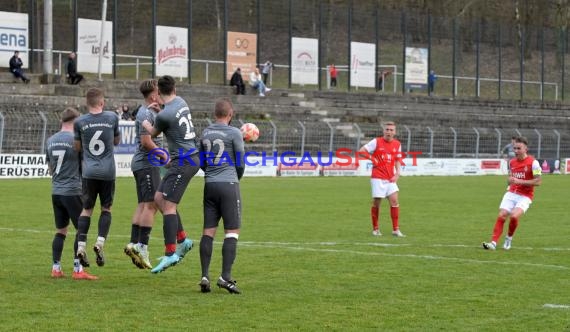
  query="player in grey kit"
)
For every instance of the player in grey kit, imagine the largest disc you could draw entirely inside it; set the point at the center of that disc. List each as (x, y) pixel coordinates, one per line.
(147, 177)
(96, 134)
(222, 151)
(63, 163)
(175, 121)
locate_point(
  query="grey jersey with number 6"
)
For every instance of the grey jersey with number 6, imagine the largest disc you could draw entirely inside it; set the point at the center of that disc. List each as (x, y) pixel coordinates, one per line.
(97, 133)
(140, 158)
(222, 148)
(64, 164)
(175, 121)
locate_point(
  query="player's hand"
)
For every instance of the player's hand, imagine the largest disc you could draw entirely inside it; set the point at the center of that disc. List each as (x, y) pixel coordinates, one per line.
(146, 124)
(513, 180)
(154, 106)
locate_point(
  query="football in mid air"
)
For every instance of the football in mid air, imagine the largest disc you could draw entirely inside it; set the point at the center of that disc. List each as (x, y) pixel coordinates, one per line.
(250, 132)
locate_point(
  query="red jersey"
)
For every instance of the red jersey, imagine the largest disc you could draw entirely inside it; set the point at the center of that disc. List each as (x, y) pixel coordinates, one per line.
(332, 71)
(525, 169)
(384, 157)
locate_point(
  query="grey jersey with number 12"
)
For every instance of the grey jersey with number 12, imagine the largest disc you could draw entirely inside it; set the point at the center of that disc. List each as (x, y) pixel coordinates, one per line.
(175, 121)
(97, 133)
(225, 147)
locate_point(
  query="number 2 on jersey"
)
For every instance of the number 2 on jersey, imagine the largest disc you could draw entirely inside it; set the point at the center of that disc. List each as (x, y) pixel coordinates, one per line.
(185, 120)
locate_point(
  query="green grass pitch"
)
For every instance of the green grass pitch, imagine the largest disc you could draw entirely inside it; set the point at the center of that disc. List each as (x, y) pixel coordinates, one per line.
(306, 261)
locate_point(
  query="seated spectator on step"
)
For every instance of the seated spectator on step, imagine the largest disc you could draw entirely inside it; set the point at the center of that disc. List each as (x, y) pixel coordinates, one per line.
(237, 81)
(73, 77)
(16, 67)
(256, 82)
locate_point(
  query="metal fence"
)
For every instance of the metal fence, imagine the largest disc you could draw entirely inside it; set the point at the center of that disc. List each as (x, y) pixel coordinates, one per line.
(472, 57)
(26, 131)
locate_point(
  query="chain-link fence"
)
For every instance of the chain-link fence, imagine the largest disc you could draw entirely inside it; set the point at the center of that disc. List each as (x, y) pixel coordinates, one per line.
(471, 57)
(26, 131)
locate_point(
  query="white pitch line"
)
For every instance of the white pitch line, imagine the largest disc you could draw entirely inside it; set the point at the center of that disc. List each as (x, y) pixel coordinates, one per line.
(556, 306)
(301, 246)
(429, 257)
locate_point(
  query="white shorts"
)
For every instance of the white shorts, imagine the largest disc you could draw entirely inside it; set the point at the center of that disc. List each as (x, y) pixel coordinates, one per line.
(383, 188)
(512, 200)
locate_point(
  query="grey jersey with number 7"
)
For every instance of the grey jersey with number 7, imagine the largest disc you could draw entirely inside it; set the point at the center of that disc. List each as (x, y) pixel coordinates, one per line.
(175, 121)
(64, 164)
(97, 132)
(222, 150)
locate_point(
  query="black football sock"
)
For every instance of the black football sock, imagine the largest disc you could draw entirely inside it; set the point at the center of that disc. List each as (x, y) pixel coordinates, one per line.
(206, 244)
(229, 250)
(145, 234)
(57, 247)
(180, 228)
(75, 245)
(83, 224)
(169, 227)
(135, 231)
(104, 223)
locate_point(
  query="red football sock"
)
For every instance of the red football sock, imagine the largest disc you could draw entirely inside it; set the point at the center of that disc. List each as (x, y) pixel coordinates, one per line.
(395, 214)
(513, 226)
(498, 230)
(374, 212)
(169, 249)
(180, 236)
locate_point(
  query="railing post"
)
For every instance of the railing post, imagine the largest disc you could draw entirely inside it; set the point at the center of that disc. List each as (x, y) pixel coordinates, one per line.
(555, 132)
(302, 137)
(207, 72)
(430, 142)
(44, 119)
(331, 138)
(358, 137)
(454, 141)
(477, 143)
(274, 135)
(137, 69)
(539, 142)
(1, 130)
(408, 144)
(499, 136)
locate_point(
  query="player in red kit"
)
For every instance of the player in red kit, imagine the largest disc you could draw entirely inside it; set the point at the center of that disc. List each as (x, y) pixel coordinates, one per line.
(385, 153)
(524, 175)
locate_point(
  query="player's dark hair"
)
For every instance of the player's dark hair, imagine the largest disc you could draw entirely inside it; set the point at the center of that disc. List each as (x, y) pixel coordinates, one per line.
(514, 137)
(69, 114)
(94, 96)
(521, 139)
(223, 108)
(166, 85)
(147, 87)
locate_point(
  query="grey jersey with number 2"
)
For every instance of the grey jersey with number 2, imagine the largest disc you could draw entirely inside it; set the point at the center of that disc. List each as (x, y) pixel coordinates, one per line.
(222, 148)
(97, 133)
(175, 121)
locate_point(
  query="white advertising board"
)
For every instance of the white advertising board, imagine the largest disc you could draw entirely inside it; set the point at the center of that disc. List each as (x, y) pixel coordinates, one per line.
(362, 65)
(88, 46)
(171, 51)
(304, 61)
(13, 37)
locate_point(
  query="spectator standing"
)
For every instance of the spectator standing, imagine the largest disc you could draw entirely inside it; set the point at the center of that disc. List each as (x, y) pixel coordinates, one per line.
(333, 73)
(266, 70)
(432, 77)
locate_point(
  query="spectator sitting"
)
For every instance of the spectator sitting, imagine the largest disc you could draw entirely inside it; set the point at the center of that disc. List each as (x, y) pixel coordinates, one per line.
(73, 76)
(257, 83)
(237, 81)
(16, 67)
(123, 112)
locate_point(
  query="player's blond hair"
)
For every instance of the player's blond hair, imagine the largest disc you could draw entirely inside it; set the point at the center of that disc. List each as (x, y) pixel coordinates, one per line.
(148, 86)
(388, 123)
